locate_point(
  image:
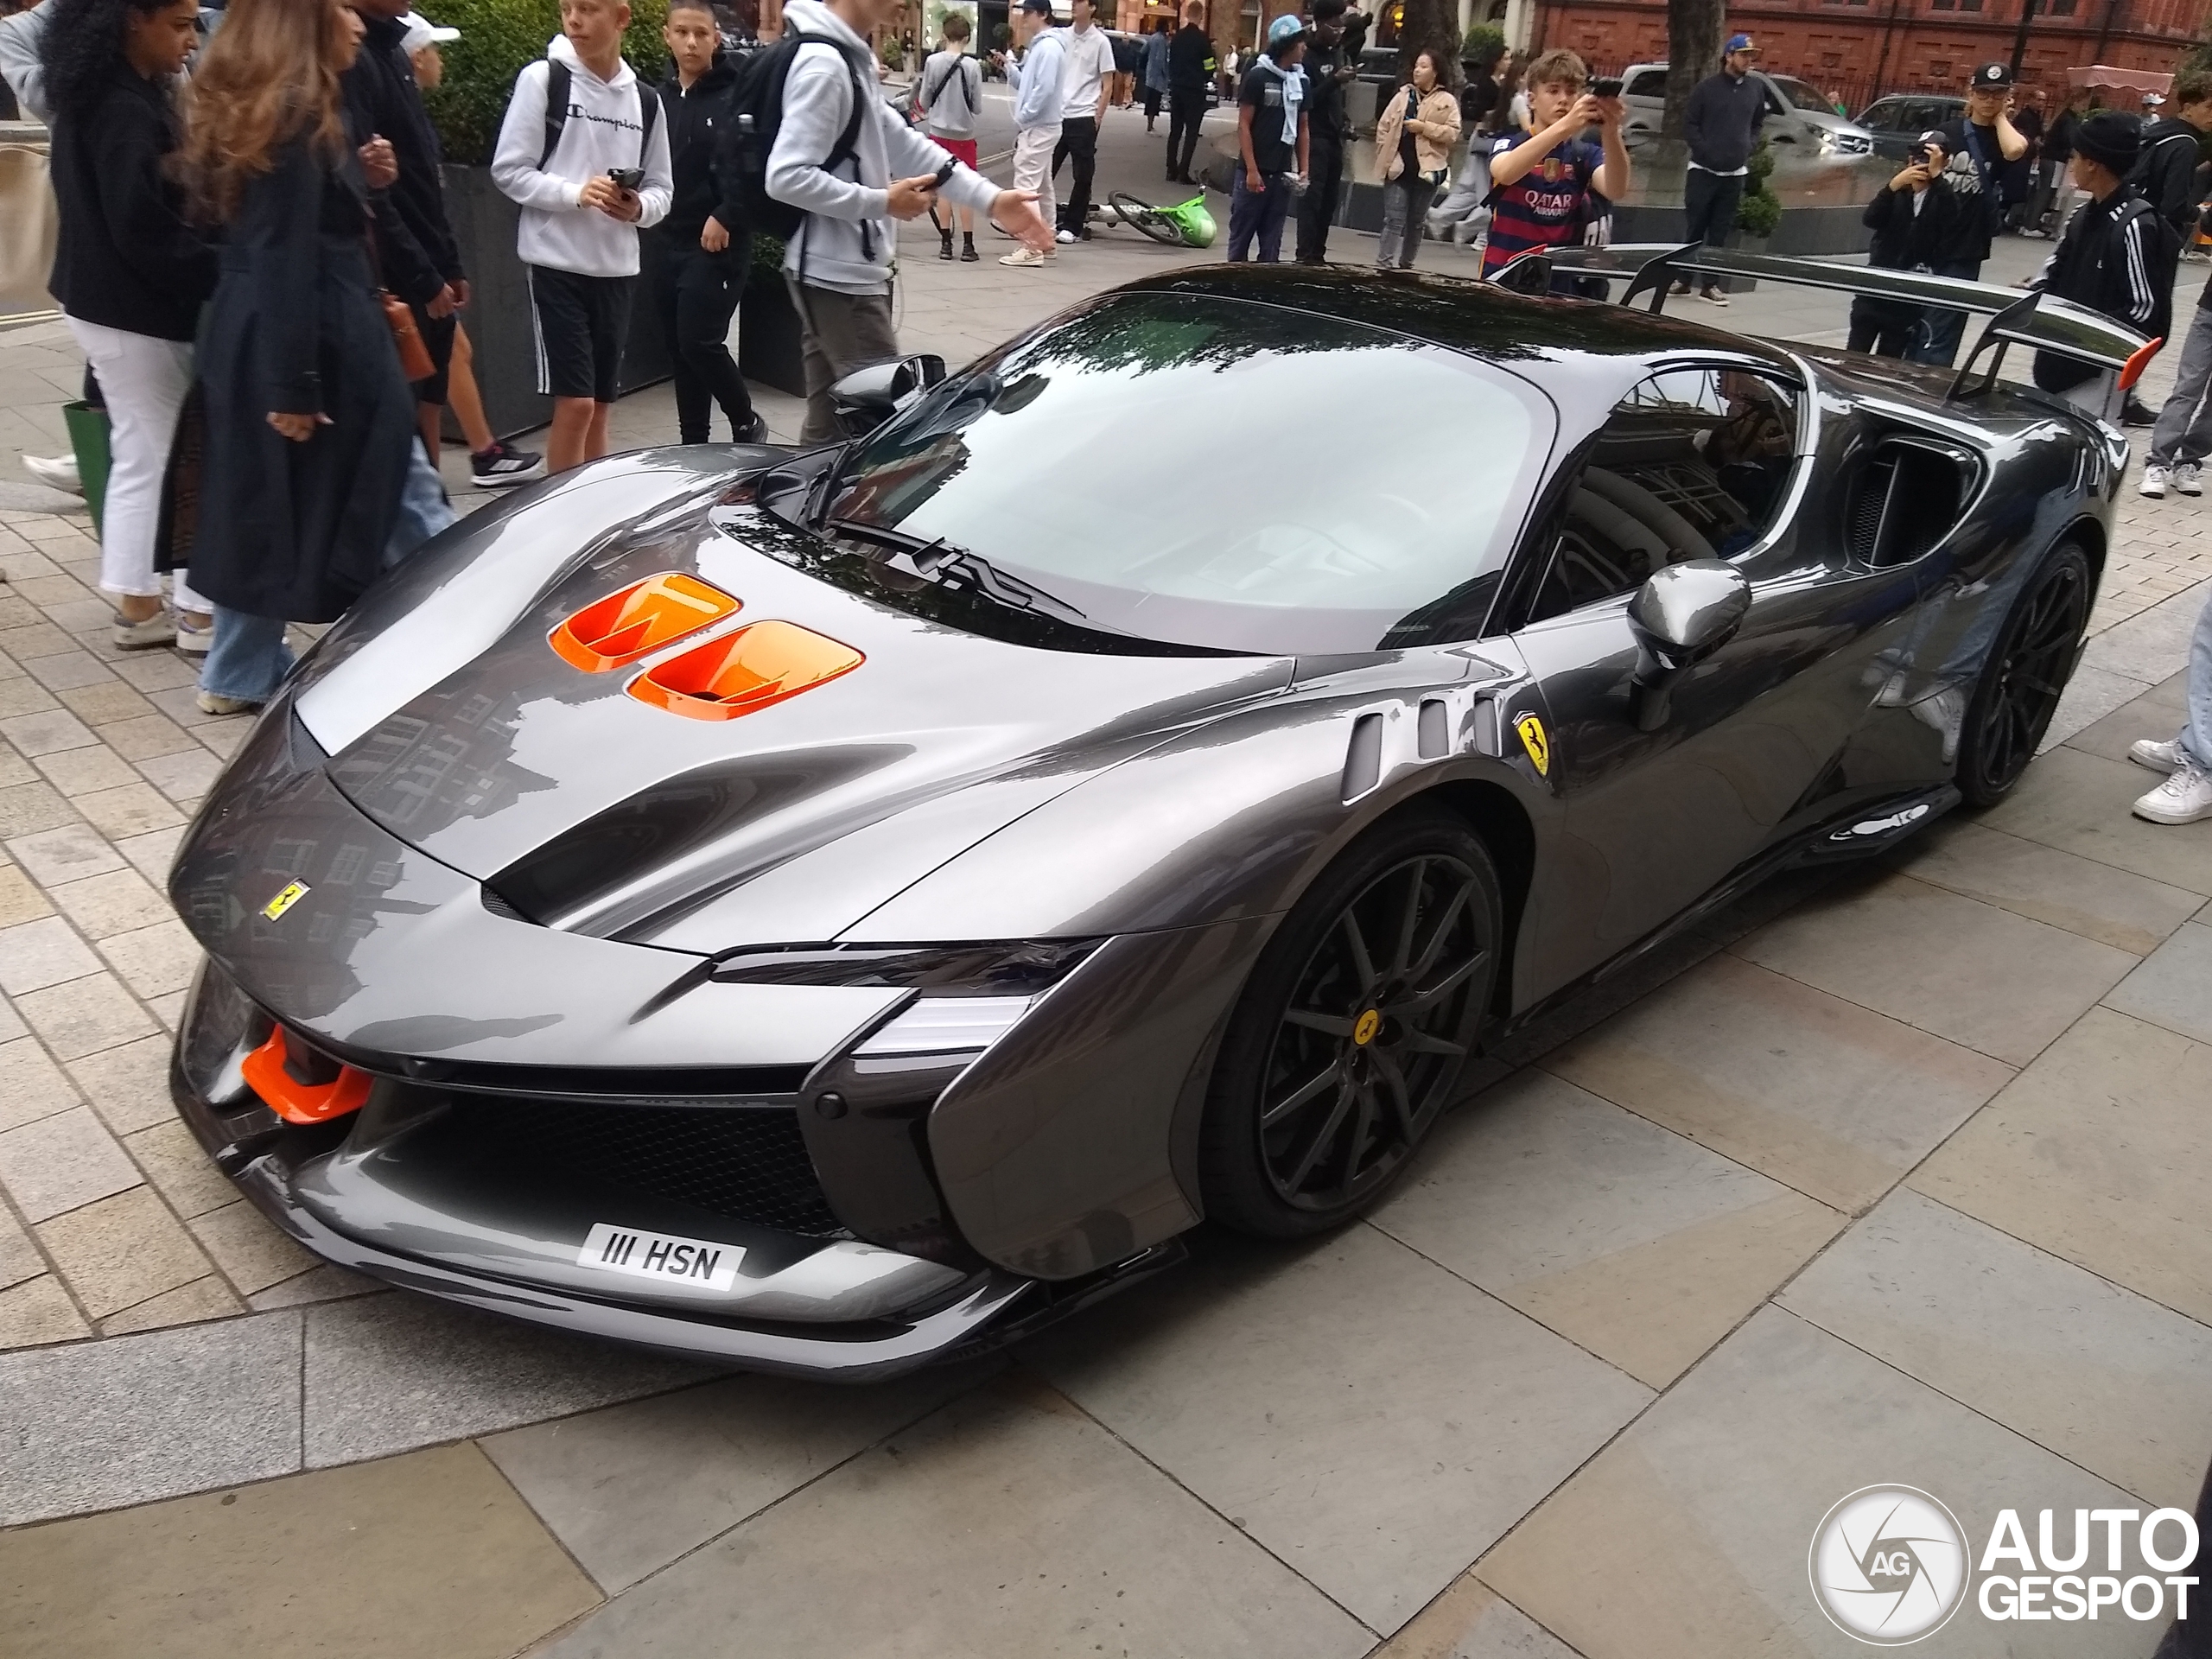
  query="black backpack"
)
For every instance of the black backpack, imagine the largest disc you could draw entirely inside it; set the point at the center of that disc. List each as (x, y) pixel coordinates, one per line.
(757, 113)
(558, 81)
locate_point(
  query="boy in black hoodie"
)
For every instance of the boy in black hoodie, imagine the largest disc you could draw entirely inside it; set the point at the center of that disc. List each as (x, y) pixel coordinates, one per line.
(1911, 222)
(706, 245)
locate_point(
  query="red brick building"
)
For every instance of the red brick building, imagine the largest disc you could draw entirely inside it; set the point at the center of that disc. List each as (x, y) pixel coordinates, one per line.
(1865, 48)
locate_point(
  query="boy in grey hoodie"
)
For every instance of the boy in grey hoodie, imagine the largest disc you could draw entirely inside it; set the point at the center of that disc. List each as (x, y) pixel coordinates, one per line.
(578, 234)
(839, 263)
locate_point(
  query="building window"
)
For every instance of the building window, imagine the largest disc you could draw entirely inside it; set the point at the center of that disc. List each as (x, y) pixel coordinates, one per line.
(1954, 5)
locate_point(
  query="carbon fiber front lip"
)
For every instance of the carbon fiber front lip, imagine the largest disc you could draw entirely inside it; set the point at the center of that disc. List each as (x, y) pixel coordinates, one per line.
(860, 1354)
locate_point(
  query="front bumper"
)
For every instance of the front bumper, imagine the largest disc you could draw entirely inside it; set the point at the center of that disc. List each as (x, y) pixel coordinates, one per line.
(392, 1192)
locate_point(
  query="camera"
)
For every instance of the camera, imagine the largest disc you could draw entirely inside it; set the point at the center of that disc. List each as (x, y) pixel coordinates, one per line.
(627, 178)
(1606, 87)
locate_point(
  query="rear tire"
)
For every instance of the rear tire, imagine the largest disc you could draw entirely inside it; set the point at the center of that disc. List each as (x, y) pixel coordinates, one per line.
(1353, 1029)
(2023, 678)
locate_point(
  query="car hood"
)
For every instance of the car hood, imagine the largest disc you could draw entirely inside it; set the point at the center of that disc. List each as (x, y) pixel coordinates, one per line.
(584, 809)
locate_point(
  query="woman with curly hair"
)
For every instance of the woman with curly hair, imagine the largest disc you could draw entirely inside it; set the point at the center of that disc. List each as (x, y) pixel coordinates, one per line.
(309, 425)
(131, 274)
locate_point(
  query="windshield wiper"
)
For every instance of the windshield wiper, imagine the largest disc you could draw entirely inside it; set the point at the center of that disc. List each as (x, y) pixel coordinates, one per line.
(937, 559)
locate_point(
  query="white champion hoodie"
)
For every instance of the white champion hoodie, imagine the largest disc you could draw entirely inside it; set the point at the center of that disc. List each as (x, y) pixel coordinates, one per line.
(849, 237)
(602, 133)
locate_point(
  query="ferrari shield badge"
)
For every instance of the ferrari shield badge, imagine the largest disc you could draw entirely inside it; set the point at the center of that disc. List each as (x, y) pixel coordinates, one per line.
(298, 890)
(1533, 739)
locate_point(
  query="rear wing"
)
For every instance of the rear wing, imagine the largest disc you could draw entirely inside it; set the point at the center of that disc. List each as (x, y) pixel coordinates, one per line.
(2040, 322)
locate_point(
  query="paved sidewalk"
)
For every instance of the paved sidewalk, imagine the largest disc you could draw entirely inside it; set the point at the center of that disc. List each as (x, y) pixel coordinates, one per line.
(1899, 1177)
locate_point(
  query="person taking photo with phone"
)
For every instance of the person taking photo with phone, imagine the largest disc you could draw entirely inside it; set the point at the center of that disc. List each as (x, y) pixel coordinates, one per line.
(1547, 185)
(1911, 222)
(584, 152)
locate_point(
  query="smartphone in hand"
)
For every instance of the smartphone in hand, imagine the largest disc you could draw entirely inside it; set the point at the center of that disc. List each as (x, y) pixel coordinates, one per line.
(626, 179)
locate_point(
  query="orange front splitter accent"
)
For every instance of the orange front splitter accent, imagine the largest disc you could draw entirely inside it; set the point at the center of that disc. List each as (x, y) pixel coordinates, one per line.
(301, 1103)
(744, 671)
(638, 620)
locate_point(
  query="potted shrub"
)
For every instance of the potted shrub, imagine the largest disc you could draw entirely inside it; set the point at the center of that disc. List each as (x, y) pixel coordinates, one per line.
(498, 37)
(768, 348)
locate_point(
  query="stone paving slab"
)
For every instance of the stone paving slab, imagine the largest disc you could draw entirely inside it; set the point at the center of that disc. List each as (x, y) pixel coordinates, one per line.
(1371, 1419)
(1006, 1525)
(430, 1555)
(2023, 1338)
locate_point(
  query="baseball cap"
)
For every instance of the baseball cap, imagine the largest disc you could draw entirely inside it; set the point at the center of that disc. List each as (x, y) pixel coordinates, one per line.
(1042, 8)
(1283, 29)
(422, 32)
(1739, 43)
(1990, 77)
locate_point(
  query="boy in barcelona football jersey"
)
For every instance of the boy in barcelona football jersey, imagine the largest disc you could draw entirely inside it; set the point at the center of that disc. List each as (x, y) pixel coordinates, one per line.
(1543, 182)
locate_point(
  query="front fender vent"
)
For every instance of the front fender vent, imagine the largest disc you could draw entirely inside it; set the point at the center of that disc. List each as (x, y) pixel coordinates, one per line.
(1363, 756)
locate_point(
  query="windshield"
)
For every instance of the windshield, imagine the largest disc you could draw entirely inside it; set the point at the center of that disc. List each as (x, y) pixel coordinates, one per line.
(1209, 472)
(1801, 95)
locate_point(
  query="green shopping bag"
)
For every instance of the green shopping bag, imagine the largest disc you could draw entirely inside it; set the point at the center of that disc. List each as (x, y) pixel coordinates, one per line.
(88, 437)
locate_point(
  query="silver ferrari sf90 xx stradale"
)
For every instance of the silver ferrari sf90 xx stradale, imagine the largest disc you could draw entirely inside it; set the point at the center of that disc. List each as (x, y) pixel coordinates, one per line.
(829, 911)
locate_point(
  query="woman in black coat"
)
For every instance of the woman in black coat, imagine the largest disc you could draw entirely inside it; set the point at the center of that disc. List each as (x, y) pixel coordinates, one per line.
(129, 273)
(309, 424)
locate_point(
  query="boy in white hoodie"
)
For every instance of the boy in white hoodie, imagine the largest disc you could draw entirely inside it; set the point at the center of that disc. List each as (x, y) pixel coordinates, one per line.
(578, 236)
(838, 264)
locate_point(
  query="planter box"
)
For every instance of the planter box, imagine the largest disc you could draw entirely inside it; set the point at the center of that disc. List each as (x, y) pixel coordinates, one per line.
(497, 318)
(768, 348)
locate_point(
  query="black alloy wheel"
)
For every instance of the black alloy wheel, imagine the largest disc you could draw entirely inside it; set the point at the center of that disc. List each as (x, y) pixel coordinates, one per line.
(1352, 1032)
(2024, 677)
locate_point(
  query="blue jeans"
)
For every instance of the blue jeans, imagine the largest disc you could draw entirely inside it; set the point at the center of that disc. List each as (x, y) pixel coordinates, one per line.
(1946, 327)
(2196, 731)
(249, 658)
(1261, 215)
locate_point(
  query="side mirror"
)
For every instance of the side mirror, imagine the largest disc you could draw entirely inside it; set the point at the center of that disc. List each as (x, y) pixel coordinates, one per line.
(867, 397)
(1678, 617)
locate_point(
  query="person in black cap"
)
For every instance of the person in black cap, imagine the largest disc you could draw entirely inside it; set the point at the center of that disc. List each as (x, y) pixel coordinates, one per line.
(1979, 144)
(2110, 256)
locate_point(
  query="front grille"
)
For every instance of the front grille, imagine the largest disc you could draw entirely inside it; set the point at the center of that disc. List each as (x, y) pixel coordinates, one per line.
(748, 1164)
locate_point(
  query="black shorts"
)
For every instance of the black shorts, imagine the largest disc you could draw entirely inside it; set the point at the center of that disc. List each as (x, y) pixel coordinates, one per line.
(437, 335)
(580, 323)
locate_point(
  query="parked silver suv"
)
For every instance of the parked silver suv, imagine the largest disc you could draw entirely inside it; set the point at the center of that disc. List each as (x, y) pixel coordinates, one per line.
(1795, 113)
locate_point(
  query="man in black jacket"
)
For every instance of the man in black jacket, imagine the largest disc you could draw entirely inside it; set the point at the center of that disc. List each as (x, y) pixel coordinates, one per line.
(415, 246)
(1979, 147)
(706, 245)
(2110, 256)
(1190, 70)
(1722, 124)
(1332, 42)
(2165, 173)
(1912, 221)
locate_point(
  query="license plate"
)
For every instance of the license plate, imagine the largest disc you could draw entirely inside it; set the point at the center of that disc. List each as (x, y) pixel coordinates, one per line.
(661, 1256)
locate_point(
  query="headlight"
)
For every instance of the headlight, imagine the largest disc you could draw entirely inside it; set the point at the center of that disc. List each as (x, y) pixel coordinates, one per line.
(1000, 969)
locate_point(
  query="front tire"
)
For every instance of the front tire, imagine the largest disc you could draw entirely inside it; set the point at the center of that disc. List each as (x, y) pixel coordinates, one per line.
(1353, 1030)
(1146, 218)
(2024, 677)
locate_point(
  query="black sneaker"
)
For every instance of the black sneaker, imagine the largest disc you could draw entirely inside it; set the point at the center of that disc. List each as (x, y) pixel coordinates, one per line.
(755, 431)
(944, 246)
(2136, 412)
(501, 468)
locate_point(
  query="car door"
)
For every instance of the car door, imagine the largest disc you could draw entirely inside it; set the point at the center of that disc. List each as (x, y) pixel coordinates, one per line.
(1668, 791)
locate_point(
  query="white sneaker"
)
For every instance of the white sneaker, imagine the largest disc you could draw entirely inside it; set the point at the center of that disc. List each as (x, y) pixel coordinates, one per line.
(1025, 258)
(2183, 798)
(2160, 755)
(2189, 477)
(193, 641)
(55, 472)
(159, 629)
(1064, 237)
(2153, 484)
(213, 702)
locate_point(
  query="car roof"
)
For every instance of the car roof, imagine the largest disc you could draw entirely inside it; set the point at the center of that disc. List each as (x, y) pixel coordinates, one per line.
(1480, 318)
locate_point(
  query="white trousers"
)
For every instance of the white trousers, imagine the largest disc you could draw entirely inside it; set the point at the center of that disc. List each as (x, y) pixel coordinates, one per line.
(1033, 165)
(144, 380)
